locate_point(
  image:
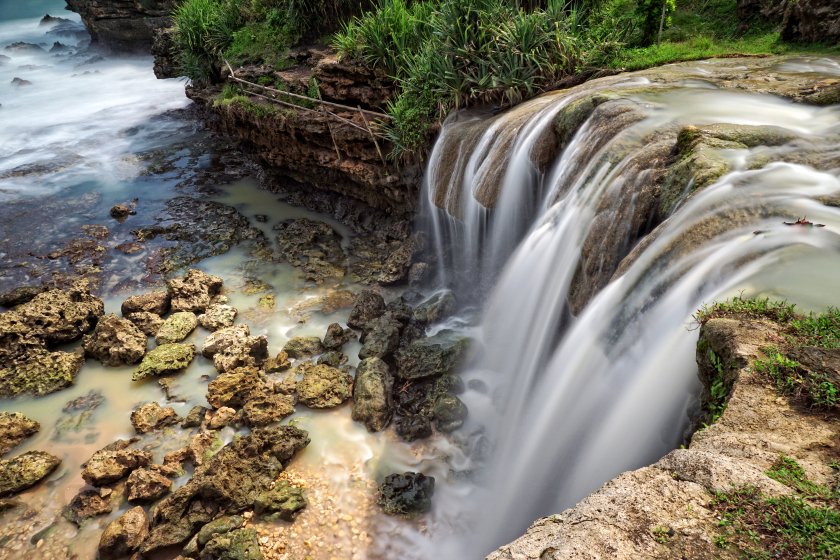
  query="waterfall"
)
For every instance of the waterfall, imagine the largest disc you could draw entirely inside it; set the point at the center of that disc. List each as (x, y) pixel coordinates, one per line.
(585, 351)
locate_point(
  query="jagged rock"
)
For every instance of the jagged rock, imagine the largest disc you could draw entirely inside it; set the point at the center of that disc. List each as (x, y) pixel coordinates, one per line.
(406, 494)
(284, 501)
(124, 26)
(40, 373)
(223, 339)
(233, 388)
(153, 302)
(24, 471)
(430, 357)
(251, 351)
(120, 211)
(369, 306)
(20, 295)
(176, 327)
(194, 417)
(436, 308)
(124, 535)
(166, 358)
(194, 292)
(414, 427)
(278, 363)
(115, 342)
(336, 337)
(114, 462)
(303, 347)
(312, 246)
(333, 358)
(323, 386)
(148, 323)
(382, 337)
(372, 390)
(22, 47)
(449, 413)
(226, 484)
(218, 526)
(240, 544)
(89, 503)
(151, 416)
(14, 429)
(398, 263)
(263, 408)
(146, 485)
(221, 418)
(217, 316)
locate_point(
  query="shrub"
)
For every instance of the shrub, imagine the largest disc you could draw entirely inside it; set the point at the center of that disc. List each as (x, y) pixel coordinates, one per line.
(203, 30)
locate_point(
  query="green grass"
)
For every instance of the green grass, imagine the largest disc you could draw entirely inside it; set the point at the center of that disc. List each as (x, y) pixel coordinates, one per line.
(790, 473)
(754, 308)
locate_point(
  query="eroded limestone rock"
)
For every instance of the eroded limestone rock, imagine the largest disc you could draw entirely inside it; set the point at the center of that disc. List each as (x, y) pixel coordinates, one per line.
(115, 342)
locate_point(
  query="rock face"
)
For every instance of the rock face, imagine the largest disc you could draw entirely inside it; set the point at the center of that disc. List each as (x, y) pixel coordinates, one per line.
(812, 21)
(124, 25)
(115, 342)
(620, 520)
(14, 429)
(124, 535)
(25, 471)
(228, 483)
(372, 390)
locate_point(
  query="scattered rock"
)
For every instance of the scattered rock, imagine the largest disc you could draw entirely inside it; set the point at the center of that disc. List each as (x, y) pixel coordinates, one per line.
(121, 211)
(229, 482)
(151, 416)
(24, 471)
(177, 327)
(153, 302)
(263, 408)
(124, 535)
(194, 417)
(221, 418)
(382, 337)
(449, 413)
(166, 358)
(89, 503)
(114, 462)
(23, 47)
(194, 292)
(323, 386)
(115, 342)
(438, 307)
(146, 485)
(336, 337)
(14, 429)
(414, 427)
(369, 306)
(240, 544)
(234, 387)
(303, 347)
(217, 316)
(284, 501)
(406, 494)
(430, 357)
(372, 390)
(224, 339)
(251, 351)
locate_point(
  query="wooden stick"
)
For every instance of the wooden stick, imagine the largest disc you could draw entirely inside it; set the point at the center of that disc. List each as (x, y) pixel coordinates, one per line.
(373, 137)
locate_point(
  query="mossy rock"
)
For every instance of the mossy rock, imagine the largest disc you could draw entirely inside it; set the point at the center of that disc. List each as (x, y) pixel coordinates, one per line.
(241, 544)
(40, 374)
(284, 501)
(177, 327)
(166, 358)
(25, 471)
(323, 386)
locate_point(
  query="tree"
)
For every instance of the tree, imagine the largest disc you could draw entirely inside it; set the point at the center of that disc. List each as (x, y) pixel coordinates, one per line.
(655, 15)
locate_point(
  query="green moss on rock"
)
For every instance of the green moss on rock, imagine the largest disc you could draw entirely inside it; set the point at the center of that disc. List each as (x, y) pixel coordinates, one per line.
(166, 358)
(25, 471)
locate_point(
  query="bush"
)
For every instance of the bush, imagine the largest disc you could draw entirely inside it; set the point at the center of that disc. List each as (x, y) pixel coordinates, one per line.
(203, 30)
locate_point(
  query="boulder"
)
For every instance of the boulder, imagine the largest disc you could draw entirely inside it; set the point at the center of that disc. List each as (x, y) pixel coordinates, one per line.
(166, 358)
(24, 471)
(115, 342)
(413, 427)
(221, 418)
(372, 388)
(382, 337)
(303, 347)
(146, 485)
(323, 386)
(333, 358)
(194, 417)
(430, 357)
(368, 306)
(148, 323)
(234, 387)
(228, 483)
(336, 337)
(439, 306)
(19, 295)
(114, 462)
(153, 302)
(251, 351)
(151, 416)
(406, 494)
(89, 503)
(284, 501)
(194, 292)
(14, 429)
(218, 316)
(223, 339)
(124, 535)
(449, 413)
(264, 408)
(176, 327)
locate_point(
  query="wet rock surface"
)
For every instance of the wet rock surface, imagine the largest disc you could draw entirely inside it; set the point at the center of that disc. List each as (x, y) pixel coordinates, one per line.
(151, 416)
(15, 428)
(166, 358)
(303, 347)
(90, 503)
(146, 485)
(24, 471)
(284, 501)
(322, 386)
(124, 535)
(114, 462)
(406, 494)
(152, 302)
(176, 327)
(194, 292)
(372, 389)
(115, 342)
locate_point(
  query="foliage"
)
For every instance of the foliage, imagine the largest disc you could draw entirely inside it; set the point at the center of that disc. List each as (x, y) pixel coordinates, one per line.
(816, 389)
(790, 473)
(719, 389)
(756, 308)
(203, 30)
(651, 14)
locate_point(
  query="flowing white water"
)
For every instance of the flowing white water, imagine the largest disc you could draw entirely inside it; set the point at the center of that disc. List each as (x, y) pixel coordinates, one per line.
(570, 402)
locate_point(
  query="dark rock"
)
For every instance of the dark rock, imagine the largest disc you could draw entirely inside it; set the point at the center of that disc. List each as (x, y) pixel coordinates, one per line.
(24, 471)
(153, 302)
(440, 306)
(20, 82)
(114, 462)
(414, 427)
(166, 358)
(59, 48)
(151, 416)
(812, 21)
(240, 544)
(20, 295)
(323, 386)
(406, 494)
(449, 413)
(124, 26)
(369, 306)
(14, 429)
(194, 292)
(22, 47)
(430, 357)
(228, 483)
(124, 535)
(312, 246)
(336, 337)
(284, 501)
(49, 20)
(121, 212)
(333, 358)
(115, 342)
(372, 390)
(89, 503)
(303, 347)
(382, 337)
(146, 485)
(194, 417)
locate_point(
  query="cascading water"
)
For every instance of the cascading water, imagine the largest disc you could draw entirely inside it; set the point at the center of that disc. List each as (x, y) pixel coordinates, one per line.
(581, 383)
